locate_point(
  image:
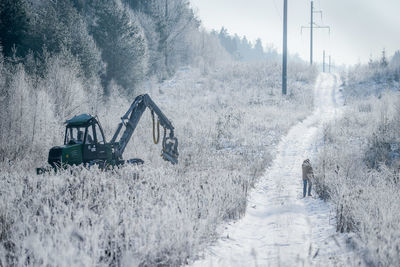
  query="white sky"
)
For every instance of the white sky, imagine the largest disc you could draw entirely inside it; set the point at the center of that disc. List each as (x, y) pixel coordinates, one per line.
(359, 28)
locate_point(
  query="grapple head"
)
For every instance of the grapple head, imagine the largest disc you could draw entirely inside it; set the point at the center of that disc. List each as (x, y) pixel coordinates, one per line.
(170, 149)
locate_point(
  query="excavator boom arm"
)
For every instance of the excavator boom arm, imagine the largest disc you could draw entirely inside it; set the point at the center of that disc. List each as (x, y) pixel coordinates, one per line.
(131, 119)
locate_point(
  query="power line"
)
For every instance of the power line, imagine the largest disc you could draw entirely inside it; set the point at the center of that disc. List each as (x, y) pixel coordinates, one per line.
(312, 26)
(277, 10)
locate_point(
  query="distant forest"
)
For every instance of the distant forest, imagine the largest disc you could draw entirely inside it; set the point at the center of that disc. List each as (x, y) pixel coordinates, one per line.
(242, 49)
(116, 41)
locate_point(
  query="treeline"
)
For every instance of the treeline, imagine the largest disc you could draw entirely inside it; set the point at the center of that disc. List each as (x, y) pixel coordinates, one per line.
(380, 74)
(241, 49)
(113, 40)
(384, 69)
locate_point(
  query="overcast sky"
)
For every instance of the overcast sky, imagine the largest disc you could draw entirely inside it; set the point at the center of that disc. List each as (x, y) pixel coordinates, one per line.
(359, 28)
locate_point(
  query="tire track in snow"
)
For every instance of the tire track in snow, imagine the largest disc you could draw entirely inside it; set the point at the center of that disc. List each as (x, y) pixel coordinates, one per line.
(280, 228)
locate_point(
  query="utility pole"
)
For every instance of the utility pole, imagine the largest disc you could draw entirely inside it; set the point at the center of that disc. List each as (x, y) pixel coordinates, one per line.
(311, 31)
(312, 27)
(284, 56)
(329, 63)
(323, 62)
(166, 38)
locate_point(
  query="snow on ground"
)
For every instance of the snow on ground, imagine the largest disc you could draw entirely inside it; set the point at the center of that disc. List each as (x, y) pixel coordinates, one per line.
(280, 228)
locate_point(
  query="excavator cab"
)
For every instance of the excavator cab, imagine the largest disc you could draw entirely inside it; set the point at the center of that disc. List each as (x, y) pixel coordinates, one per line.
(74, 135)
(84, 142)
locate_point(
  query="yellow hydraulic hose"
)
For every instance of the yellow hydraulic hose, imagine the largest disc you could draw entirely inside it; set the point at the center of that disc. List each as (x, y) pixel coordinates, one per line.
(155, 140)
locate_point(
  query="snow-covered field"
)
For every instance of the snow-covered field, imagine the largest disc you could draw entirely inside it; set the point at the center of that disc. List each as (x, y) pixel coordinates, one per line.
(228, 123)
(280, 227)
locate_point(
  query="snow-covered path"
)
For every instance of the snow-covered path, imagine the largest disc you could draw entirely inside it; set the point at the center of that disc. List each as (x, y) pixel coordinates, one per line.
(280, 228)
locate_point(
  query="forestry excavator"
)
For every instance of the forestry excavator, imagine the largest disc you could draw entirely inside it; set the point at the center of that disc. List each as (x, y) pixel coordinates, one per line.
(84, 140)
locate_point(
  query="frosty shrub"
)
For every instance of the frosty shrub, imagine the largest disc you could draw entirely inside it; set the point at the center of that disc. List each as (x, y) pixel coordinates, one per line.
(228, 122)
(371, 79)
(358, 169)
(35, 106)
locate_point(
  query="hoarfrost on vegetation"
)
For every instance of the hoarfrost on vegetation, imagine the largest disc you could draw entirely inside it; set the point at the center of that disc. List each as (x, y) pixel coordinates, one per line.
(227, 123)
(358, 169)
(58, 62)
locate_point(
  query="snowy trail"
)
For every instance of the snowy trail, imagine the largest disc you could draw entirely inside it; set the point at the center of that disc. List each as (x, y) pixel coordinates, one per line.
(279, 227)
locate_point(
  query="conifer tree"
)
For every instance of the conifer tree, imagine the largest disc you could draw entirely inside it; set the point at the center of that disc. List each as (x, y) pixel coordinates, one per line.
(123, 45)
(59, 26)
(14, 26)
(384, 61)
(258, 50)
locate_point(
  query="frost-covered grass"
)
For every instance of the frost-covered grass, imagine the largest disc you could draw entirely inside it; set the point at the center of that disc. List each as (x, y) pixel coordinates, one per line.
(227, 121)
(358, 169)
(150, 216)
(365, 80)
